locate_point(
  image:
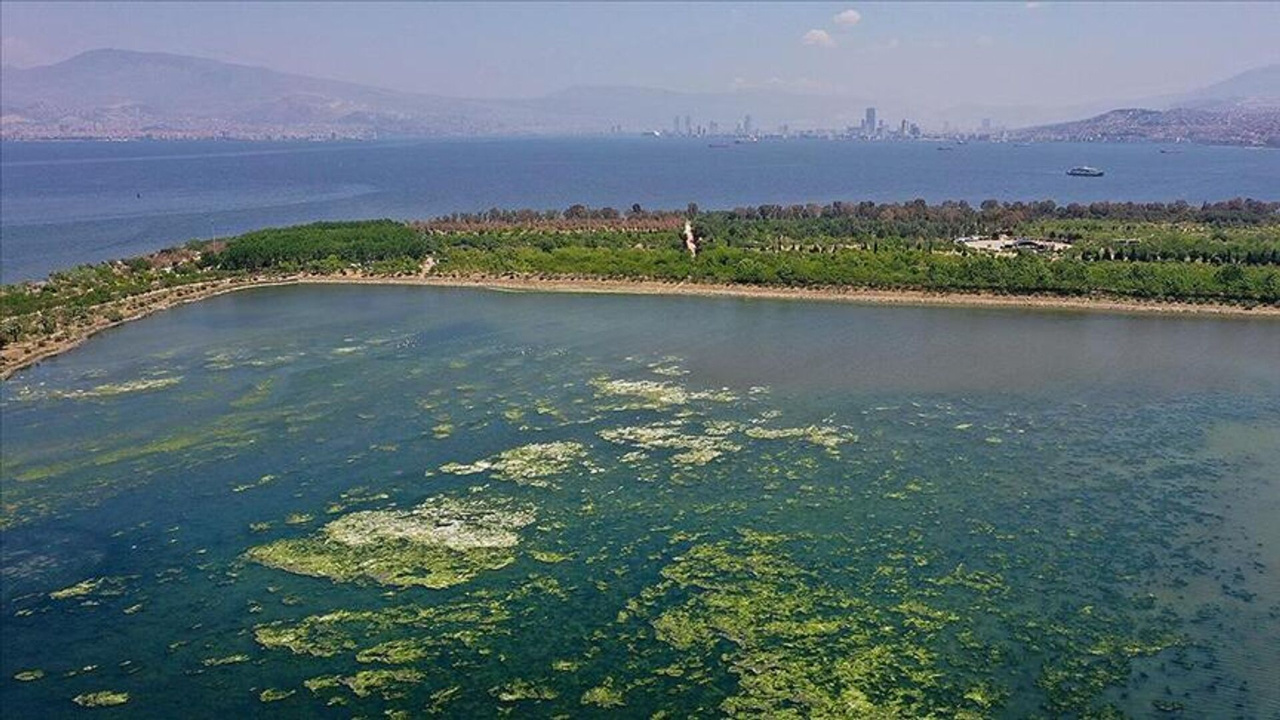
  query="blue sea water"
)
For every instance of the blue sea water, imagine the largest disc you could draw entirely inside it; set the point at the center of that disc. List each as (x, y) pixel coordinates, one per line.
(62, 204)
(762, 507)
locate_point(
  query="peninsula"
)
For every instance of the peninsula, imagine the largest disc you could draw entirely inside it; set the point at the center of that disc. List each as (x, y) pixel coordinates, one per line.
(1219, 258)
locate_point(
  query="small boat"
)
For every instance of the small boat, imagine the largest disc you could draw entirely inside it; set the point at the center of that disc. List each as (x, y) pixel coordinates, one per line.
(718, 145)
(1085, 171)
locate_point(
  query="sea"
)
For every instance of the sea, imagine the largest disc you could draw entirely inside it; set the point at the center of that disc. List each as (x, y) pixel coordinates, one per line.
(400, 501)
(68, 203)
(410, 501)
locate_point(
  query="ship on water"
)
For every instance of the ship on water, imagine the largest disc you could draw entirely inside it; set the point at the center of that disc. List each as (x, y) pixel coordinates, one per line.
(1085, 171)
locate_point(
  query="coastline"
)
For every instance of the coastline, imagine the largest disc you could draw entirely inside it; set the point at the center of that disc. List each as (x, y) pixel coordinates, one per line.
(22, 355)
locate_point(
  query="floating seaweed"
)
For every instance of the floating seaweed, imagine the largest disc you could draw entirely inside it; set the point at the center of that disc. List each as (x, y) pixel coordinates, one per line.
(529, 464)
(693, 449)
(440, 543)
(102, 698)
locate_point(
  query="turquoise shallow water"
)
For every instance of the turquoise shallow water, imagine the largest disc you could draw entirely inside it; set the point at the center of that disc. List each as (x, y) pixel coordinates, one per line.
(714, 506)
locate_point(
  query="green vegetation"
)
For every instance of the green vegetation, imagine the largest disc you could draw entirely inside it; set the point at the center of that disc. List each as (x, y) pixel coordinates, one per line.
(328, 246)
(1226, 252)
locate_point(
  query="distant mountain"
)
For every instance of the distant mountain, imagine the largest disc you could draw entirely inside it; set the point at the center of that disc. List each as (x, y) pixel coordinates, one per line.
(1232, 126)
(106, 93)
(125, 93)
(1241, 110)
(1257, 88)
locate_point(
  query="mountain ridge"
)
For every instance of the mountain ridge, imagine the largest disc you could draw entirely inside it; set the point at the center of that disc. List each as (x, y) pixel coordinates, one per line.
(112, 93)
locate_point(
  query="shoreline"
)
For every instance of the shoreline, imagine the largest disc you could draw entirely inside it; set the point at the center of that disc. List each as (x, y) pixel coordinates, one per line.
(36, 351)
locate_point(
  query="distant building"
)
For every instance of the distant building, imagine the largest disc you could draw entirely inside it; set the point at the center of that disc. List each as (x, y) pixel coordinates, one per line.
(675, 126)
(688, 125)
(869, 122)
(746, 125)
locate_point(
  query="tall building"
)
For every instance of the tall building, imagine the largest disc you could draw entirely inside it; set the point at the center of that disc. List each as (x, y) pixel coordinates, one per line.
(746, 125)
(688, 126)
(675, 126)
(870, 122)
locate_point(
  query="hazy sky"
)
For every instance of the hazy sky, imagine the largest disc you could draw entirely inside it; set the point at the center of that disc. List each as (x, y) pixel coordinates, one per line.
(1018, 53)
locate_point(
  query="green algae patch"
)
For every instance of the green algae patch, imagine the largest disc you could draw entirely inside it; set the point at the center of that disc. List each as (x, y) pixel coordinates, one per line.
(259, 394)
(824, 436)
(424, 632)
(401, 651)
(797, 646)
(689, 449)
(102, 698)
(438, 544)
(529, 464)
(101, 391)
(275, 695)
(227, 660)
(103, 586)
(28, 675)
(389, 684)
(604, 695)
(518, 690)
(653, 394)
(264, 480)
(549, 557)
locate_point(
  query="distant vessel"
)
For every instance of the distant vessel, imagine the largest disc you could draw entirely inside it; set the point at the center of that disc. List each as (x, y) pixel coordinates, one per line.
(718, 145)
(1085, 171)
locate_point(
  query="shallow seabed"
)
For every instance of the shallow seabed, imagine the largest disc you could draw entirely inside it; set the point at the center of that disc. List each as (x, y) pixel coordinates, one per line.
(402, 501)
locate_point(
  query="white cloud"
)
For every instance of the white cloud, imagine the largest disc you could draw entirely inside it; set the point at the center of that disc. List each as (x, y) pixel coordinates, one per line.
(818, 38)
(985, 41)
(1033, 5)
(848, 18)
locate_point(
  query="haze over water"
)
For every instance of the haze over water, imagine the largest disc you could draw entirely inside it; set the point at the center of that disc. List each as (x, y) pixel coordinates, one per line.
(62, 204)
(1058, 509)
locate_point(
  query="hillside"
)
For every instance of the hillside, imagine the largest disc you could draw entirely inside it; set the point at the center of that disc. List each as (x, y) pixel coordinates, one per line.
(1257, 88)
(1241, 110)
(127, 94)
(123, 94)
(1232, 126)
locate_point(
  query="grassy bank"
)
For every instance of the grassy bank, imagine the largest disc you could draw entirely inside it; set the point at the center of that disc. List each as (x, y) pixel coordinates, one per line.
(1225, 255)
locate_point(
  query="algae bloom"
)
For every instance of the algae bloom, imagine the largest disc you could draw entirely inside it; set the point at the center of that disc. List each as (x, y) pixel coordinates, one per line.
(440, 543)
(102, 698)
(654, 394)
(526, 465)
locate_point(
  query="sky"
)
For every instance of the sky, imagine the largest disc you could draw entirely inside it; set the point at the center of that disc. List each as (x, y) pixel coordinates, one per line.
(1009, 53)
